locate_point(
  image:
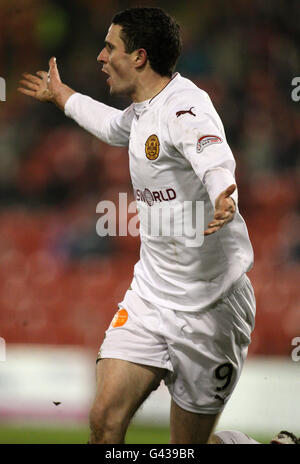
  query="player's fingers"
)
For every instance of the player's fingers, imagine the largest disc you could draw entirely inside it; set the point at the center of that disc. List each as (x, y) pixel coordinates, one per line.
(29, 85)
(31, 93)
(53, 70)
(212, 230)
(225, 205)
(229, 191)
(31, 78)
(223, 215)
(215, 223)
(42, 74)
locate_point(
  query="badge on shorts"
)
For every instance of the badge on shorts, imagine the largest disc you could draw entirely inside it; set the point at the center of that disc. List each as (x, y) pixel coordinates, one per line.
(120, 318)
(206, 140)
(152, 147)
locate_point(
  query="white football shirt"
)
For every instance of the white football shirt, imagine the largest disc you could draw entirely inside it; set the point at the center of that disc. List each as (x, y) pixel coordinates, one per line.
(179, 160)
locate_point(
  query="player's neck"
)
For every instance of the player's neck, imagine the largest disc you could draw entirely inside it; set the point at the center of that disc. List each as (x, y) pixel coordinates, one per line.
(148, 86)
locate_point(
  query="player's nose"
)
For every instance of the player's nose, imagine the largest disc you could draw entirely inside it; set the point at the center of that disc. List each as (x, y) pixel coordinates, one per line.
(101, 57)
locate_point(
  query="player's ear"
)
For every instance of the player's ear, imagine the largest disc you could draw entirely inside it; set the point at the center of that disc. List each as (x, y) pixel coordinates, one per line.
(140, 57)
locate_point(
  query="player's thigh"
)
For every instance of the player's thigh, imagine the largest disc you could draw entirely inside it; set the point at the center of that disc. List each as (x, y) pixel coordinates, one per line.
(190, 428)
(122, 386)
(207, 350)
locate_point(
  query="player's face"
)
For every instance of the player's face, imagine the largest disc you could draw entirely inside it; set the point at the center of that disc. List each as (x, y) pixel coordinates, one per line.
(118, 64)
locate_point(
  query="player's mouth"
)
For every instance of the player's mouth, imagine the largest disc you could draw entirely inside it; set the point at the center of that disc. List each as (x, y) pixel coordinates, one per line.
(109, 77)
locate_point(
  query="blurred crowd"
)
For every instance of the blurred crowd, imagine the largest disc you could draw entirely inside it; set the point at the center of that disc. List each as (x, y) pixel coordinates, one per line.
(61, 281)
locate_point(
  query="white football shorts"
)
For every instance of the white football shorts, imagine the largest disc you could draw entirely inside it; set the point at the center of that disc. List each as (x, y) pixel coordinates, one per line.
(203, 352)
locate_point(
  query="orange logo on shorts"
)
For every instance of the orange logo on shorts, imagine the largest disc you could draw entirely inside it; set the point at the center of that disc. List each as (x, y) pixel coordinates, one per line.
(120, 318)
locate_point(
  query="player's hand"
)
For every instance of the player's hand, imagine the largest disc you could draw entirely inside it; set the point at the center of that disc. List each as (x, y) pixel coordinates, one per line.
(46, 86)
(224, 210)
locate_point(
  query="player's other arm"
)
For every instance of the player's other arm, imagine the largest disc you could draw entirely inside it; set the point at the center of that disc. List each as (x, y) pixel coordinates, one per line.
(200, 138)
(107, 123)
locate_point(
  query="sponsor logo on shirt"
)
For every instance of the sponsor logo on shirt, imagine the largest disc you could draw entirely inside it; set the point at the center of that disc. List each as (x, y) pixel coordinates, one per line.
(179, 113)
(156, 217)
(156, 195)
(207, 140)
(152, 147)
(120, 318)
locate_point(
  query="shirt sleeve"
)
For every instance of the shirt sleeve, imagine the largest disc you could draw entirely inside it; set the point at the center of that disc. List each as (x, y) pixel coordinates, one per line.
(105, 122)
(199, 136)
(217, 180)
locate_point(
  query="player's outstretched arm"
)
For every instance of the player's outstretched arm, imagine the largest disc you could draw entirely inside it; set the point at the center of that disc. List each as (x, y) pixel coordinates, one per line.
(46, 87)
(224, 210)
(105, 122)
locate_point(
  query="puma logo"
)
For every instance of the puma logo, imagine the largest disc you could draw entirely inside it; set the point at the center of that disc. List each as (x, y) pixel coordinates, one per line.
(179, 113)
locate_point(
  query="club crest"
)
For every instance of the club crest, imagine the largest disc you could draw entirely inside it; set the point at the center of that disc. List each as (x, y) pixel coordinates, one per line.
(152, 147)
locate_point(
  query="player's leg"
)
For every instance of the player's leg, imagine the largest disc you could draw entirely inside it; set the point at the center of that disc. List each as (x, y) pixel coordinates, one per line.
(190, 428)
(132, 360)
(122, 387)
(207, 350)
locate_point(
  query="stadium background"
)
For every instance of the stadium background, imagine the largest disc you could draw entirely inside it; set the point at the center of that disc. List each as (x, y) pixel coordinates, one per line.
(60, 282)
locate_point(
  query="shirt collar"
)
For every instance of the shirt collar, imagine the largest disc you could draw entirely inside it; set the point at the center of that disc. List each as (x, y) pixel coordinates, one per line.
(141, 106)
(166, 89)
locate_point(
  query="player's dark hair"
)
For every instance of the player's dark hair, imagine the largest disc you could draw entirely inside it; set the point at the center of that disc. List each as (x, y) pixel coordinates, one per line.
(156, 32)
(292, 436)
(289, 434)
